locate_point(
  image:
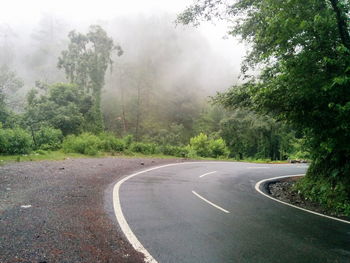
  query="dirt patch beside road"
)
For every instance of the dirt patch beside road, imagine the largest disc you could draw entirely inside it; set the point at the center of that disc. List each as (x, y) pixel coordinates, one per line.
(62, 211)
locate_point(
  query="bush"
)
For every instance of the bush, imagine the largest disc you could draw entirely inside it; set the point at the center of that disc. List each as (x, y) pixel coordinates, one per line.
(177, 151)
(110, 143)
(48, 138)
(128, 140)
(15, 141)
(217, 148)
(331, 195)
(202, 146)
(145, 148)
(85, 143)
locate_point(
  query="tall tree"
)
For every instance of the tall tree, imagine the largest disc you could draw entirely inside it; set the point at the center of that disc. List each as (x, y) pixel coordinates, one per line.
(85, 63)
(10, 83)
(303, 49)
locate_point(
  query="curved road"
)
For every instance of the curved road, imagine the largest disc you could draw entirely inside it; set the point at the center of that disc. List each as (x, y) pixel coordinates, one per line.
(209, 212)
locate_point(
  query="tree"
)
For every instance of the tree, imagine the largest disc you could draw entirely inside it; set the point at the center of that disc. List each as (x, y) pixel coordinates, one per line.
(10, 83)
(61, 106)
(303, 49)
(85, 64)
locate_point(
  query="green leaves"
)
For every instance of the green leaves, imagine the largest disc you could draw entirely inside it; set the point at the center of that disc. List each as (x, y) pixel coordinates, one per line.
(302, 47)
(85, 63)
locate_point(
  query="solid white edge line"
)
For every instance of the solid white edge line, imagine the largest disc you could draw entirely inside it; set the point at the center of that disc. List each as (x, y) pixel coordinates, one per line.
(206, 200)
(120, 216)
(257, 188)
(207, 174)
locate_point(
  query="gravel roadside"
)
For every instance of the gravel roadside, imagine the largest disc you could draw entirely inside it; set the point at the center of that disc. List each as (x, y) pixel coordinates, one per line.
(283, 190)
(62, 211)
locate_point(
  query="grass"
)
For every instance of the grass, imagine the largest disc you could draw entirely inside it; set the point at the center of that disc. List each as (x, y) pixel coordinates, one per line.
(60, 155)
(50, 155)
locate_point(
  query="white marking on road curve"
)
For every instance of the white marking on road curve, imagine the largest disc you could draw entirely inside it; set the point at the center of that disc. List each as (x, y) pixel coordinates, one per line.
(120, 216)
(257, 188)
(206, 200)
(207, 174)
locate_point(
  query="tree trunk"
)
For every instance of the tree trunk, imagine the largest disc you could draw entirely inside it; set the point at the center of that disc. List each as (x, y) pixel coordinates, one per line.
(125, 126)
(138, 113)
(342, 23)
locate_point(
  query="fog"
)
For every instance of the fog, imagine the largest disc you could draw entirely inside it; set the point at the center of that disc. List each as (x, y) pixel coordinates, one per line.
(164, 76)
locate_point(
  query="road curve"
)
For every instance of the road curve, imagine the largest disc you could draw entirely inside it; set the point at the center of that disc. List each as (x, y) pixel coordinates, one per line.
(210, 212)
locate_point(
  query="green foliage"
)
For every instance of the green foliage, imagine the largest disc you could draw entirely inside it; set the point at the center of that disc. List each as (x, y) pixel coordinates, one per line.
(85, 143)
(303, 49)
(145, 148)
(331, 195)
(173, 135)
(48, 138)
(201, 145)
(128, 140)
(252, 136)
(10, 83)
(178, 151)
(60, 106)
(15, 141)
(110, 143)
(217, 148)
(85, 63)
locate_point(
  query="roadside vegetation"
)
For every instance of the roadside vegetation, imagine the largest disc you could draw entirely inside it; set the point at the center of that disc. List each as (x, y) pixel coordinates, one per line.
(302, 49)
(143, 116)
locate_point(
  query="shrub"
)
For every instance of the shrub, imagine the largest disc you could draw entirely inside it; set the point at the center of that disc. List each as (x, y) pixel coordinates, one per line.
(48, 138)
(200, 144)
(145, 148)
(110, 143)
(178, 151)
(15, 141)
(128, 140)
(85, 143)
(331, 195)
(217, 148)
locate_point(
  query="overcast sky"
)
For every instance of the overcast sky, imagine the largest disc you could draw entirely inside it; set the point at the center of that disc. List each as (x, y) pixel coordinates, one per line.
(19, 12)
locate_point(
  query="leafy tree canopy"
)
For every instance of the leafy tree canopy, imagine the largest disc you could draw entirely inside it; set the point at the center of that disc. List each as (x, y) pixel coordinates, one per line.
(302, 48)
(85, 63)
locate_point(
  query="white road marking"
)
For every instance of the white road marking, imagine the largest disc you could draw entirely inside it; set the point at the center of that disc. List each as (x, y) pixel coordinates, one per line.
(257, 188)
(207, 174)
(206, 200)
(120, 216)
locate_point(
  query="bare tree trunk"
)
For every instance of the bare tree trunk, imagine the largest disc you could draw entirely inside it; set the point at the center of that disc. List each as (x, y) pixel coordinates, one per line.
(138, 112)
(342, 23)
(125, 125)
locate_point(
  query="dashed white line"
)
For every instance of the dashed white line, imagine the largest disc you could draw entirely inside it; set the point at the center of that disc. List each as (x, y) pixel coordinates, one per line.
(206, 200)
(207, 174)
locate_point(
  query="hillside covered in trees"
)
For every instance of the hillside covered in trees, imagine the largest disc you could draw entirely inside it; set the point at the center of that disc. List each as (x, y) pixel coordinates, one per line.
(107, 89)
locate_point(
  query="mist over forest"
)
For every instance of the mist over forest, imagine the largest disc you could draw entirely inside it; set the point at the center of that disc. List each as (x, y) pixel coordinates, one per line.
(156, 87)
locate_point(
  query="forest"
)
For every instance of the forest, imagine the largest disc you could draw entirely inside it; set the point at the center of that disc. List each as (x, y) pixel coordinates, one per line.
(97, 90)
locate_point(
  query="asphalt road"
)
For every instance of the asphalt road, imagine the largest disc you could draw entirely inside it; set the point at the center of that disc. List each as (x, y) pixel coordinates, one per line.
(179, 215)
